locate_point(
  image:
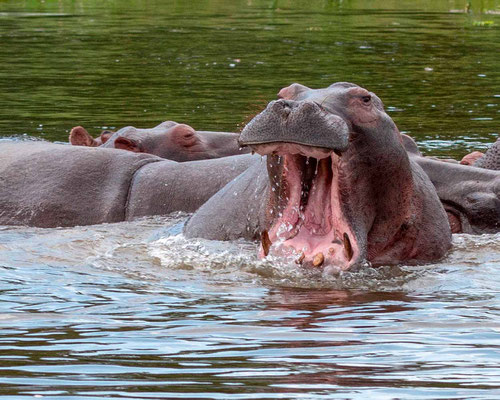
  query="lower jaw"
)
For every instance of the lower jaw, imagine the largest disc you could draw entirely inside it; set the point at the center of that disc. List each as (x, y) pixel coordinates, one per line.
(317, 251)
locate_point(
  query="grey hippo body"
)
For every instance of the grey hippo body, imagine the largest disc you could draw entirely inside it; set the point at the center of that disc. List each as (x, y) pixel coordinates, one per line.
(469, 190)
(169, 140)
(338, 187)
(470, 195)
(49, 185)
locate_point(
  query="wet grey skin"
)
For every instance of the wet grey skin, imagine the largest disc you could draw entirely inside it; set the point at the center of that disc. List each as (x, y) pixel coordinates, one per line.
(379, 207)
(470, 195)
(49, 185)
(169, 140)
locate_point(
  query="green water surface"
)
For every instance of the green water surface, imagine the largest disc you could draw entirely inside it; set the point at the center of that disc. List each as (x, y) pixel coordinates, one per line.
(213, 64)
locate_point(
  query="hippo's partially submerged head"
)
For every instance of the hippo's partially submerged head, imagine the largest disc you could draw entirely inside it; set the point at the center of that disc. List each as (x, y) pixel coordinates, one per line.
(170, 140)
(342, 188)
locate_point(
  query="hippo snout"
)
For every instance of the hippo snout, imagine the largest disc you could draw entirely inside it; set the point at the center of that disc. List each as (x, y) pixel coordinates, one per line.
(300, 122)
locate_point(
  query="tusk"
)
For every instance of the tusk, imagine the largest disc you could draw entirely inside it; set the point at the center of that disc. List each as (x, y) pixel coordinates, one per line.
(300, 259)
(266, 242)
(347, 247)
(318, 259)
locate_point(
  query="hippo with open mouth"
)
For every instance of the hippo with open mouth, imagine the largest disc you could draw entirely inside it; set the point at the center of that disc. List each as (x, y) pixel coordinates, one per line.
(337, 187)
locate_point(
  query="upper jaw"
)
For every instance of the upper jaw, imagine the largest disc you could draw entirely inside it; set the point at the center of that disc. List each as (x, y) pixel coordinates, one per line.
(287, 148)
(302, 123)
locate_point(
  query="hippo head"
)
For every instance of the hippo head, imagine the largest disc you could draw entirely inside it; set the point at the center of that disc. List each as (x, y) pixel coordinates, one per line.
(471, 158)
(169, 139)
(339, 175)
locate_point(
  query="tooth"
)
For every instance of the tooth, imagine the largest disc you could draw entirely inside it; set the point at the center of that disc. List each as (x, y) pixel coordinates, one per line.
(318, 259)
(266, 242)
(347, 247)
(300, 259)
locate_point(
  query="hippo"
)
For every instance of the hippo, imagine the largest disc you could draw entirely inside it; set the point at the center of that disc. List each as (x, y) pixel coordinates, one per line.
(471, 158)
(170, 140)
(470, 195)
(338, 188)
(49, 185)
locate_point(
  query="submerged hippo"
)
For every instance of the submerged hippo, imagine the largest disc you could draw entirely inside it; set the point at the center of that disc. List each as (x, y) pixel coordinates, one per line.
(48, 185)
(170, 140)
(471, 158)
(470, 195)
(338, 189)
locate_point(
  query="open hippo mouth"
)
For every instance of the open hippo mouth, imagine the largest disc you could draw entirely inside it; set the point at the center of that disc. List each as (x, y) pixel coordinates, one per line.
(310, 220)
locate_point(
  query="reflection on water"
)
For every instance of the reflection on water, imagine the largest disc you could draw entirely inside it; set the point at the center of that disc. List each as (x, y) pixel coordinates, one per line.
(135, 310)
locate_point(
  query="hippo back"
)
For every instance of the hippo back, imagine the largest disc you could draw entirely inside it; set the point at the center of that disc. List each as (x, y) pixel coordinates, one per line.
(47, 185)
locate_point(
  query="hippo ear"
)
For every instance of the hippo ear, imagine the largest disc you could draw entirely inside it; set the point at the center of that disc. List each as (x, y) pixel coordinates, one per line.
(471, 158)
(105, 135)
(292, 91)
(166, 125)
(80, 137)
(184, 135)
(124, 143)
(409, 144)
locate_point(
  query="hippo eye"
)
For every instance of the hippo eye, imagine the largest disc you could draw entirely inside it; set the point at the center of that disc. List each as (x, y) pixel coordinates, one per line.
(366, 99)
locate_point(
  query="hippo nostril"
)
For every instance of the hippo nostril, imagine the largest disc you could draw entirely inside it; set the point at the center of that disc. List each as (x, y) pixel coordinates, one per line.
(286, 103)
(310, 107)
(277, 106)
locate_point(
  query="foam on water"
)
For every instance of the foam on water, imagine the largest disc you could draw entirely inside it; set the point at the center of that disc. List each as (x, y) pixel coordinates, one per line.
(151, 248)
(233, 260)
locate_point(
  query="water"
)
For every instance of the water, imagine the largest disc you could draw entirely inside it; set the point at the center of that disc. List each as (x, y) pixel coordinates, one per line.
(134, 310)
(214, 64)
